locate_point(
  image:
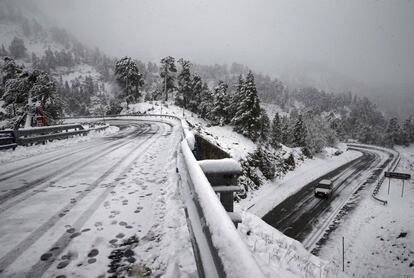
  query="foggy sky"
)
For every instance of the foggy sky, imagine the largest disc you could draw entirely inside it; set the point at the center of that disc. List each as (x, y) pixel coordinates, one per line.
(370, 41)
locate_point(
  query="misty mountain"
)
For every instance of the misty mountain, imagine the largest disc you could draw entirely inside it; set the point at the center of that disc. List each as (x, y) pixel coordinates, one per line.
(392, 99)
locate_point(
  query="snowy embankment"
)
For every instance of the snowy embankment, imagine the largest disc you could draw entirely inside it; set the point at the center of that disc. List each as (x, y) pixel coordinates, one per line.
(277, 253)
(28, 151)
(384, 245)
(273, 193)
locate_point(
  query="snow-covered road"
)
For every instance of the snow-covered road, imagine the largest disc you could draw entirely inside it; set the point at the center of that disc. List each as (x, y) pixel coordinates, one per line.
(99, 208)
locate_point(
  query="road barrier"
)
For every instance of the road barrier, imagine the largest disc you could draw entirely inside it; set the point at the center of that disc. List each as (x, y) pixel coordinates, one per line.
(35, 135)
(7, 139)
(218, 248)
(391, 167)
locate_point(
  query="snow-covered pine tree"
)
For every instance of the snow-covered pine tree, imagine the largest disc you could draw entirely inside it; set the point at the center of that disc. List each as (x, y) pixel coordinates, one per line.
(247, 118)
(206, 102)
(276, 132)
(235, 98)
(27, 92)
(195, 98)
(219, 114)
(299, 133)
(10, 69)
(167, 73)
(184, 84)
(129, 78)
(286, 135)
(393, 133)
(265, 126)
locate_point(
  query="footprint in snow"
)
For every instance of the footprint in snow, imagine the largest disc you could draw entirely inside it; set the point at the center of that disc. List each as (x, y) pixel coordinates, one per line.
(93, 253)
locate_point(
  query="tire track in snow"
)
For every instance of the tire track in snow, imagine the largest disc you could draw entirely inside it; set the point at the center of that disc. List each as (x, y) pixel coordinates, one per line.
(22, 170)
(6, 199)
(42, 266)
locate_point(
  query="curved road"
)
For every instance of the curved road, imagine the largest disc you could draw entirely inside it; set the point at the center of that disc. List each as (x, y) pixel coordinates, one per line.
(74, 211)
(305, 217)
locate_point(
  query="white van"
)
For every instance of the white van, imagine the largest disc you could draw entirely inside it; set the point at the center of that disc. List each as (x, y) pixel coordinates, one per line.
(324, 188)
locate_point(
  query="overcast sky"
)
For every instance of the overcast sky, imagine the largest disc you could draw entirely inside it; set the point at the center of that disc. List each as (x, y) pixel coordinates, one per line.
(366, 40)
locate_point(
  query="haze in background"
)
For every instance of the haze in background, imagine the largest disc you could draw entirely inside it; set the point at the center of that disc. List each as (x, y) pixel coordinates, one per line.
(364, 46)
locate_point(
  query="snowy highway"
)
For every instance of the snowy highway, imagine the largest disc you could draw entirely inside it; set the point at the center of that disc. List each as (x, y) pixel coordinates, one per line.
(103, 207)
(306, 218)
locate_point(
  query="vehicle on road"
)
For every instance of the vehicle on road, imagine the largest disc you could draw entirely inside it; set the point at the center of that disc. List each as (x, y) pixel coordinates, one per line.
(323, 188)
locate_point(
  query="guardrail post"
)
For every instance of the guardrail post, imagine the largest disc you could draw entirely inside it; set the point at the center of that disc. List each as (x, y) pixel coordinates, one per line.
(222, 175)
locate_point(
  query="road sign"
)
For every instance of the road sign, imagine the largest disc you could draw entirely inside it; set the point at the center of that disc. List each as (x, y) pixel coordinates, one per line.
(396, 175)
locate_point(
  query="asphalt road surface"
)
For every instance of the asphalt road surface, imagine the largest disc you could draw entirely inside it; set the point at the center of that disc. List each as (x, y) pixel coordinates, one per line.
(300, 214)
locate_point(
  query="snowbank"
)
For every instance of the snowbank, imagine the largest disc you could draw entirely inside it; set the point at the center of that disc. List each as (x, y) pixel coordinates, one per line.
(281, 256)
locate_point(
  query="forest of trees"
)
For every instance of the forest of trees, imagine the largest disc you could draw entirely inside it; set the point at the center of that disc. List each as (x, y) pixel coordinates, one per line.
(221, 94)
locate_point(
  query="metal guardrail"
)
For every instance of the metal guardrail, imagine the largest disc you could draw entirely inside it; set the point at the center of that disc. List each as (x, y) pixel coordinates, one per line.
(7, 140)
(42, 134)
(213, 226)
(391, 167)
(206, 231)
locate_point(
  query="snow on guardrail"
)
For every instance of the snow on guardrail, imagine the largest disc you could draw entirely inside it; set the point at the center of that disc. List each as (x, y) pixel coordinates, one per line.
(391, 167)
(218, 246)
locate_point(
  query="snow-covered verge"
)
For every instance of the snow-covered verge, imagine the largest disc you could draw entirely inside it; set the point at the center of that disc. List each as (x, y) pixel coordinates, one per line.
(28, 151)
(270, 194)
(235, 144)
(379, 240)
(277, 253)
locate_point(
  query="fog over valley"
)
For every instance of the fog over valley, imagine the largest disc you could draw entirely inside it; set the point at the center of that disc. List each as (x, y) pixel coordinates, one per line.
(369, 41)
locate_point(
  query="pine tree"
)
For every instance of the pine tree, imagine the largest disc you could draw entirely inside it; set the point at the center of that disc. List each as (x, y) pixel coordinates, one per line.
(17, 48)
(206, 102)
(197, 90)
(184, 84)
(393, 132)
(30, 91)
(167, 71)
(235, 98)
(219, 114)
(10, 69)
(276, 132)
(299, 133)
(247, 118)
(285, 131)
(129, 78)
(290, 162)
(265, 126)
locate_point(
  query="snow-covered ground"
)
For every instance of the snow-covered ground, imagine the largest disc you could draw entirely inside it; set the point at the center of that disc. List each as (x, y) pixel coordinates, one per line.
(109, 204)
(235, 144)
(281, 256)
(379, 240)
(270, 194)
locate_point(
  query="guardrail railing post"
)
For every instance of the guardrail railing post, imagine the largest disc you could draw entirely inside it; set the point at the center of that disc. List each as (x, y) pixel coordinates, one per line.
(222, 175)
